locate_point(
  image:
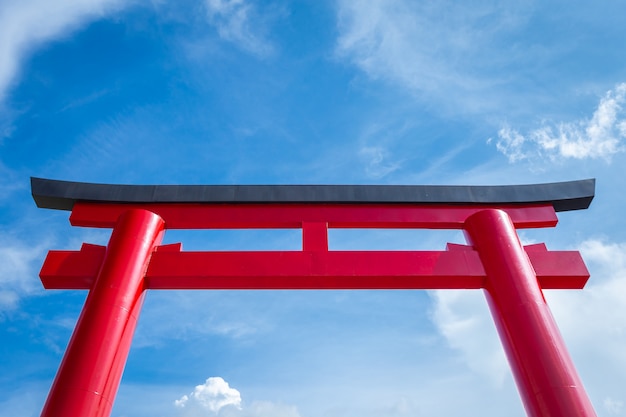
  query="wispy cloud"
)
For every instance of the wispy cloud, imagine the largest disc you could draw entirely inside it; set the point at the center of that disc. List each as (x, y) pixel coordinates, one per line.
(264, 409)
(436, 50)
(17, 268)
(236, 324)
(378, 161)
(601, 136)
(463, 318)
(10, 181)
(239, 22)
(377, 144)
(25, 25)
(613, 407)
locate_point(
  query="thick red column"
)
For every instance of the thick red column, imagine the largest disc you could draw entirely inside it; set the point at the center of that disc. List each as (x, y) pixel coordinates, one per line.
(90, 372)
(545, 375)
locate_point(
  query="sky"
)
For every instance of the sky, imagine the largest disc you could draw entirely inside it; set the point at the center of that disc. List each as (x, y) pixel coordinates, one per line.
(312, 92)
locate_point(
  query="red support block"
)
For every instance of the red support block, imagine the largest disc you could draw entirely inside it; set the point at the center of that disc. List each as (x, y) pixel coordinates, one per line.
(315, 236)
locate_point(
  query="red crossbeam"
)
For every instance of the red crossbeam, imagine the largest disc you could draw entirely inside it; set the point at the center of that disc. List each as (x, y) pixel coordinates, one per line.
(291, 216)
(315, 267)
(458, 268)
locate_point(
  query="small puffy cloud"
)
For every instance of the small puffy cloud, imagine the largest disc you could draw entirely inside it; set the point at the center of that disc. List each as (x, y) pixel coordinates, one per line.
(238, 21)
(212, 396)
(601, 136)
(216, 397)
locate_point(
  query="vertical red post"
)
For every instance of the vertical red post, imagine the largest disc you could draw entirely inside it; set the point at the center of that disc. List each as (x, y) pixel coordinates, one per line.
(545, 375)
(90, 372)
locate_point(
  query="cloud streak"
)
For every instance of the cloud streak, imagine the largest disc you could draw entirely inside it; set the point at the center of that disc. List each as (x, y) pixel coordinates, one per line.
(238, 21)
(377, 162)
(599, 137)
(25, 25)
(17, 267)
(443, 51)
(463, 318)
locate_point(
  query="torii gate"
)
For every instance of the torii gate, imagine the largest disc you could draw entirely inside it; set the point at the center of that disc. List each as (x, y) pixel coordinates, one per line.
(134, 261)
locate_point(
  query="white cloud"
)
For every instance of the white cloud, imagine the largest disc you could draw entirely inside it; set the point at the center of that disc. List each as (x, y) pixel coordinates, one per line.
(238, 21)
(17, 272)
(378, 38)
(599, 137)
(216, 397)
(597, 312)
(438, 50)
(213, 395)
(26, 24)
(464, 320)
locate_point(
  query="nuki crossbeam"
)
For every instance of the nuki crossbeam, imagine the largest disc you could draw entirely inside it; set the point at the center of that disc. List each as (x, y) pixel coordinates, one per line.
(512, 276)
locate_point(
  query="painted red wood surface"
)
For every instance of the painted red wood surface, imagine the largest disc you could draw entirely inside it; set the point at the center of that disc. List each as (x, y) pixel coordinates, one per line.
(116, 277)
(544, 372)
(92, 367)
(291, 216)
(423, 270)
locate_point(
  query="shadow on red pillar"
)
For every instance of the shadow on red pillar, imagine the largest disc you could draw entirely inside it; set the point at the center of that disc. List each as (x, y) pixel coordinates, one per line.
(90, 372)
(545, 375)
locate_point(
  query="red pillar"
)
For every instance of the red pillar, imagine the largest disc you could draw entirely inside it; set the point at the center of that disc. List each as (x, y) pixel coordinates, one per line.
(90, 372)
(545, 375)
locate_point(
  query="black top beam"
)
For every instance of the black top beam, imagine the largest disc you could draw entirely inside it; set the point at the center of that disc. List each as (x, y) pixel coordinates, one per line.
(564, 196)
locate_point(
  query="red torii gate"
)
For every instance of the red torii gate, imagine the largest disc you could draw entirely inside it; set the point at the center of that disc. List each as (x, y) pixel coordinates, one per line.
(134, 260)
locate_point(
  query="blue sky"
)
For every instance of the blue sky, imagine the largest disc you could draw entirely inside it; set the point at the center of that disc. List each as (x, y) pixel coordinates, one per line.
(311, 92)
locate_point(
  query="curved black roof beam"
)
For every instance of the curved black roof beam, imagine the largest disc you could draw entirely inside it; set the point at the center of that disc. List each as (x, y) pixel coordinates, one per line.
(564, 196)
